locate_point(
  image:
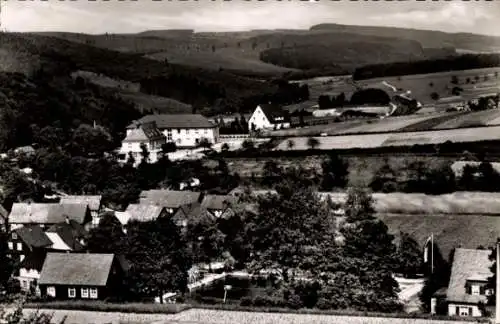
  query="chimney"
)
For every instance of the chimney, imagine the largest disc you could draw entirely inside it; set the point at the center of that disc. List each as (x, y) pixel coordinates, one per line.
(67, 219)
(433, 305)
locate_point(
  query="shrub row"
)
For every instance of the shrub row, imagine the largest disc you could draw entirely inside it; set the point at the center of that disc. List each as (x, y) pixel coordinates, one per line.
(490, 147)
(144, 308)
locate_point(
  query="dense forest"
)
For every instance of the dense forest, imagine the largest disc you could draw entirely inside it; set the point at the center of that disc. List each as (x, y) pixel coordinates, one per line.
(31, 54)
(456, 63)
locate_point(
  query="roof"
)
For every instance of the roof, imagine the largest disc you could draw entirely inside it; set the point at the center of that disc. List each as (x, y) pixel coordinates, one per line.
(39, 213)
(79, 269)
(191, 212)
(169, 198)
(218, 202)
(467, 263)
(94, 202)
(57, 242)
(143, 212)
(70, 233)
(164, 121)
(34, 260)
(33, 236)
(144, 132)
(273, 112)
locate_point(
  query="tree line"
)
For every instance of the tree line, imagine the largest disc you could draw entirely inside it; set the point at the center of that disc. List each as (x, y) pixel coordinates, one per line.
(453, 63)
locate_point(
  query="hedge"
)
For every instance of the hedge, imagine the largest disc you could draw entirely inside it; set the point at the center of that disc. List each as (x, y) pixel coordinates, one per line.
(99, 306)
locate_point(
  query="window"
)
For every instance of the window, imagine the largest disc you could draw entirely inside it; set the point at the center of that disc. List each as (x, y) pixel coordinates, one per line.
(71, 292)
(51, 291)
(93, 293)
(475, 290)
(11, 246)
(464, 311)
(19, 246)
(206, 131)
(85, 293)
(14, 236)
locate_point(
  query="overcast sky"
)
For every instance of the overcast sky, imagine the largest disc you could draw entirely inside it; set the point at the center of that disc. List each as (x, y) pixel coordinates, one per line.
(206, 15)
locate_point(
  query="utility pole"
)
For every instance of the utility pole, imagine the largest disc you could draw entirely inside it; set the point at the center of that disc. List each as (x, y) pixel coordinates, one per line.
(497, 287)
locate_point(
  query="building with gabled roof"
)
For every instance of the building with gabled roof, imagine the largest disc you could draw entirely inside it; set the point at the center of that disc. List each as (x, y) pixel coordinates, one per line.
(140, 213)
(218, 204)
(467, 288)
(47, 215)
(93, 201)
(141, 135)
(80, 276)
(185, 130)
(170, 199)
(268, 116)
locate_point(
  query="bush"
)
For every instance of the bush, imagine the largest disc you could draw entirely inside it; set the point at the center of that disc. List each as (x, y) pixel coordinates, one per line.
(246, 301)
(294, 302)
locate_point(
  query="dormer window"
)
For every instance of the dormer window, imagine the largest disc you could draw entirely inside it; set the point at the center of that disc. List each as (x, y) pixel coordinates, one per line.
(475, 290)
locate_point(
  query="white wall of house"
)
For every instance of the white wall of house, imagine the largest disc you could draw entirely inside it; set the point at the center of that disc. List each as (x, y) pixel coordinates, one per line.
(154, 148)
(27, 277)
(260, 121)
(190, 137)
(463, 310)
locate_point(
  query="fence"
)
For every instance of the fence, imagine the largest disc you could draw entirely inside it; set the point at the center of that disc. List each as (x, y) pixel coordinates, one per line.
(233, 136)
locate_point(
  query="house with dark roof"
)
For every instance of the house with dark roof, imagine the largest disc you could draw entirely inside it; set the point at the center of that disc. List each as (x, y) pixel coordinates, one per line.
(93, 201)
(86, 276)
(217, 205)
(467, 288)
(185, 130)
(189, 213)
(141, 135)
(30, 244)
(171, 200)
(46, 215)
(268, 116)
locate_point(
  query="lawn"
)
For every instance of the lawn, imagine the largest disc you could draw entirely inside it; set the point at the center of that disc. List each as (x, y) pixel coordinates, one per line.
(209, 316)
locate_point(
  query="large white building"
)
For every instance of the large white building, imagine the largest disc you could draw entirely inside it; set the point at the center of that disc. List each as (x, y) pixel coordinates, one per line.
(185, 130)
(268, 117)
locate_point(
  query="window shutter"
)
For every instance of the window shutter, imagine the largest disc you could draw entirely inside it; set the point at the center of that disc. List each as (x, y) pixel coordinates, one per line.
(468, 289)
(482, 290)
(470, 311)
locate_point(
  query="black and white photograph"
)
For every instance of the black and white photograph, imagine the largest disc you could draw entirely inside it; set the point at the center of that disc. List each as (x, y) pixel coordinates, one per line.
(249, 162)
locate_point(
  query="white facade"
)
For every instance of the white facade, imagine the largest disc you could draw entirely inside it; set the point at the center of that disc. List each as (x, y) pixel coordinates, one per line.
(154, 148)
(466, 310)
(259, 120)
(190, 137)
(27, 278)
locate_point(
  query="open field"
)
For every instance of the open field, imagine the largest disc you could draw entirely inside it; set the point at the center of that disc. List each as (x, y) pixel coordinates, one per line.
(480, 203)
(461, 135)
(214, 316)
(220, 60)
(208, 316)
